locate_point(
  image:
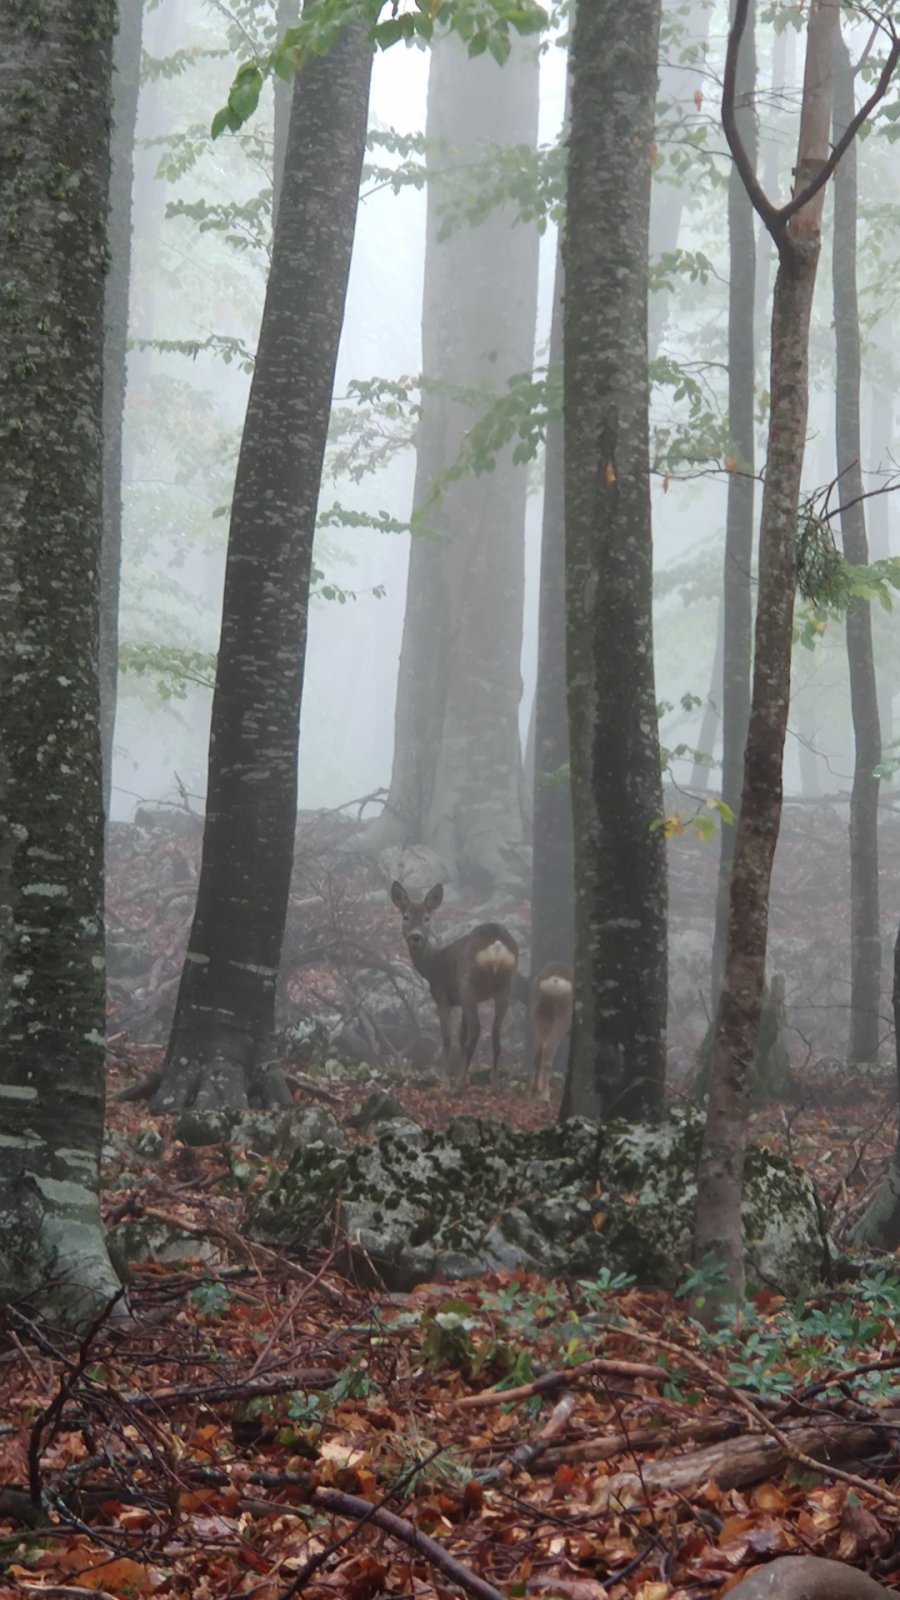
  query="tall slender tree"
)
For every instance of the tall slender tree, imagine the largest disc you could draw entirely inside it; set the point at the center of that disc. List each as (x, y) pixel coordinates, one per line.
(219, 1048)
(865, 922)
(617, 1059)
(737, 604)
(795, 228)
(55, 101)
(553, 843)
(456, 778)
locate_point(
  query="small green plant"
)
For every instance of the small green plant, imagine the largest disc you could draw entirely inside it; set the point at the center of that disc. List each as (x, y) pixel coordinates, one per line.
(211, 1300)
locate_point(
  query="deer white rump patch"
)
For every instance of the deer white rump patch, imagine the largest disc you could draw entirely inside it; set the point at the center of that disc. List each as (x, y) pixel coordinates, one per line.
(555, 987)
(496, 956)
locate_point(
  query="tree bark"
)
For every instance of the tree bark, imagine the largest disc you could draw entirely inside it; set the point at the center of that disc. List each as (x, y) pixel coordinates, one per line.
(881, 437)
(219, 1049)
(285, 17)
(126, 86)
(718, 1238)
(55, 105)
(677, 82)
(553, 843)
(737, 605)
(880, 1224)
(617, 1056)
(865, 921)
(457, 771)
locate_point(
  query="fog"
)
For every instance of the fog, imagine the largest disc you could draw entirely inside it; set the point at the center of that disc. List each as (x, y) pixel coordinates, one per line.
(183, 418)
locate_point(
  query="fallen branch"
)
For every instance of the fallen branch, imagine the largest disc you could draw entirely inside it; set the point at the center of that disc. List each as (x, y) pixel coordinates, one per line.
(606, 1365)
(786, 1442)
(656, 1438)
(526, 1454)
(350, 1505)
(735, 1463)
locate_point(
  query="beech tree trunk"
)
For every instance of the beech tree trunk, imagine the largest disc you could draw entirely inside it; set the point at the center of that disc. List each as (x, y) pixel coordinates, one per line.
(219, 1049)
(553, 844)
(457, 766)
(126, 86)
(678, 80)
(865, 921)
(737, 604)
(796, 230)
(617, 1056)
(55, 105)
(880, 1224)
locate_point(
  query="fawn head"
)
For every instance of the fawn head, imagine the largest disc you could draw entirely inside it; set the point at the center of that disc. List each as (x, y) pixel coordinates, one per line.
(416, 919)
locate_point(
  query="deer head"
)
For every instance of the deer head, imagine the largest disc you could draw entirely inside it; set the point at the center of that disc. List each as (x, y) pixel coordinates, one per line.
(417, 919)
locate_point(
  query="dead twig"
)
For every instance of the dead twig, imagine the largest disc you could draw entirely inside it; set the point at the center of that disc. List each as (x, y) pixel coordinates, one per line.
(607, 1365)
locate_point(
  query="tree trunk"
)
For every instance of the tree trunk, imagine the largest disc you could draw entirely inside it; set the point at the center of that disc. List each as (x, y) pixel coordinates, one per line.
(865, 922)
(881, 438)
(55, 107)
(718, 1238)
(880, 1224)
(712, 714)
(219, 1050)
(126, 85)
(285, 17)
(678, 80)
(737, 605)
(456, 780)
(617, 1057)
(553, 876)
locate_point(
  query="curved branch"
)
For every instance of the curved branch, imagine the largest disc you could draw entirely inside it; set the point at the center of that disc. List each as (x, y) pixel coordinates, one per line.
(757, 195)
(775, 217)
(878, 93)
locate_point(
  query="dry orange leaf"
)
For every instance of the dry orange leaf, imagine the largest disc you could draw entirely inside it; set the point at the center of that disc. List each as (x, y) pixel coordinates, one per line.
(698, 98)
(609, 474)
(122, 1576)
(768, 1497)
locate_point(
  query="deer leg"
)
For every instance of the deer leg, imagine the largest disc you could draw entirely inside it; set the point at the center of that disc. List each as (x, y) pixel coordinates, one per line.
(554, 1039)
(538, 1061)
(469, 1031)
(501, 1005)
(444, 1015)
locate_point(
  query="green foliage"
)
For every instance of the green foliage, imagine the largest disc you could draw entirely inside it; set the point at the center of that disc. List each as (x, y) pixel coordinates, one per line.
(211, 1300)
(830, 584)
(483, 26)
(764, 1353)
(172, 669)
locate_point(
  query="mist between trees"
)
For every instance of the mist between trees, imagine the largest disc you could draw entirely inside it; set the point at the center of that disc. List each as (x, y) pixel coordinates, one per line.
(467, 460)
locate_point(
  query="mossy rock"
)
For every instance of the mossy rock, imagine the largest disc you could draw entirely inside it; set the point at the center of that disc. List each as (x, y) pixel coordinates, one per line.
(569, 1199)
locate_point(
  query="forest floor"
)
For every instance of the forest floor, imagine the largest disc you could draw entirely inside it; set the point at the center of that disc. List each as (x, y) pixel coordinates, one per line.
(263, 1427)
(266, 1428)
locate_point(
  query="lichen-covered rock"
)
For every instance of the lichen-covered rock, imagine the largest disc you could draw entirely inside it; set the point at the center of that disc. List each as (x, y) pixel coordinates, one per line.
(266, 1133)
(567, 1199)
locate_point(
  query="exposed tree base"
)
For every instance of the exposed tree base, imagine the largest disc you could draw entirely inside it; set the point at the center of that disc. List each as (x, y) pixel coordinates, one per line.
(235, 1074)
(809, 1578)
(880, 1224)
(68, 1280)
(142, 1090)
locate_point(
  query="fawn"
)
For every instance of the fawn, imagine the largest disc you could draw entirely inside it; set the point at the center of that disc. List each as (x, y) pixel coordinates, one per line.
(551, 1018)
(479, 966)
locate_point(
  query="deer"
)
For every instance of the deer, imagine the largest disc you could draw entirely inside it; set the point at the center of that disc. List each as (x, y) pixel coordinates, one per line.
(479, 966)
(552, 991)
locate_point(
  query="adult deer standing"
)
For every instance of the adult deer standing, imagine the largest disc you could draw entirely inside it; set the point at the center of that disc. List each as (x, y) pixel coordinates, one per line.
(552, 991)
(479, 966)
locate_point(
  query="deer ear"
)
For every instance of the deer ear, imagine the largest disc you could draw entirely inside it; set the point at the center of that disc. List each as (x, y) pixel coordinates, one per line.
(399, 896)
(434, 897)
